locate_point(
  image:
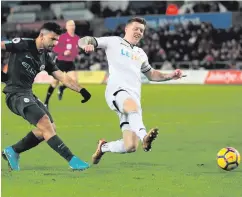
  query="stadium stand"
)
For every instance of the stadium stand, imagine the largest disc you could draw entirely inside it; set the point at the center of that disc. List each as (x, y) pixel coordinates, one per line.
(188, 46)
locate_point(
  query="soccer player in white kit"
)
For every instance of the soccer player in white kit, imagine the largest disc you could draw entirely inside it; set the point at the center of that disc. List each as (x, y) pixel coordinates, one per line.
(123, 92)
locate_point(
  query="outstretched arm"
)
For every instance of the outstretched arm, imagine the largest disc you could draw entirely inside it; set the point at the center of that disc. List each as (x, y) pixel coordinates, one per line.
(88, 43)
(14, 45)
(70, 83)
(156, 75)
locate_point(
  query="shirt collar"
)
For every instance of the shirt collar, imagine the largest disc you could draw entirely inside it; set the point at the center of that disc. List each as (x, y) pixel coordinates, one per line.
(131, 45)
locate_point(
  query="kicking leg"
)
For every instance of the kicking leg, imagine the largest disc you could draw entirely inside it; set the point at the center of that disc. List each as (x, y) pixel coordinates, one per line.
(32, 139)
(58, 145)
(45, 130)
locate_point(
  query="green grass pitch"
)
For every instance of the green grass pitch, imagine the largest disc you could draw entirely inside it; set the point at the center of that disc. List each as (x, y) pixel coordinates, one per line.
(195, 123)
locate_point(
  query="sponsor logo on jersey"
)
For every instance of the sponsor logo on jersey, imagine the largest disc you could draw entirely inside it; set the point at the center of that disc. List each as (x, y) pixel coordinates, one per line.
(29, 69)
(130, 55)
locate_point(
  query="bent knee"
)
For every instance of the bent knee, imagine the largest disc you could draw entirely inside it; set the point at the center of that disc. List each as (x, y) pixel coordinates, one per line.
(44, 119)
(44, 123)
(130, 148)
(46, 127)
(130, 105)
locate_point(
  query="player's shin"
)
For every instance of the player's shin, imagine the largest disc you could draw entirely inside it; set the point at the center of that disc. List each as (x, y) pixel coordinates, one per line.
(28, 142)
(114, 147)
(49, 134)
(136, 124)
(58, 145)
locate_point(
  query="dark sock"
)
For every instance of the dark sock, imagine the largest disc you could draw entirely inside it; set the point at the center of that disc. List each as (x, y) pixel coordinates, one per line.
(49, 93)
(28, 142)
(62, 88)
(58, 145)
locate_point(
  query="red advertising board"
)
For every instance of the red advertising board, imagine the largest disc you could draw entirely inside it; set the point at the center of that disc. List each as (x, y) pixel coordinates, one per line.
(224, 77)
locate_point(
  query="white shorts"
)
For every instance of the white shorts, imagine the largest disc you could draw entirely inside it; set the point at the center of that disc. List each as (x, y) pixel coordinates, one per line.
(115, 101)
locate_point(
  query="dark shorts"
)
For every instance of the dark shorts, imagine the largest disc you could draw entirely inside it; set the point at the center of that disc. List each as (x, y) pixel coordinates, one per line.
(65, 66)
(28, 106)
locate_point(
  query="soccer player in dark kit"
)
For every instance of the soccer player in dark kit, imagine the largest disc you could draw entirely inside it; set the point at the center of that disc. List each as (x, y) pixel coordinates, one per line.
(28, 57)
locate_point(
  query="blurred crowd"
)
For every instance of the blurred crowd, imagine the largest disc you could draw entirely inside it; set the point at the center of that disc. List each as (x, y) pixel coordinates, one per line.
(189, 47)
(184, 46)
(129, 8)
(31, 11)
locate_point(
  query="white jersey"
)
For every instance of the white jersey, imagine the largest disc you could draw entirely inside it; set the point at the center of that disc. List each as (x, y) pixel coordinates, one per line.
(126, 62)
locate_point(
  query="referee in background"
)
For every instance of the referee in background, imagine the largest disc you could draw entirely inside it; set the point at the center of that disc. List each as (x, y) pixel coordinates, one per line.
(66, 50)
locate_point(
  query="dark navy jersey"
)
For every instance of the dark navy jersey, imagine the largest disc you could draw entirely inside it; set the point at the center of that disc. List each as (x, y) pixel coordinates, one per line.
(25, 62)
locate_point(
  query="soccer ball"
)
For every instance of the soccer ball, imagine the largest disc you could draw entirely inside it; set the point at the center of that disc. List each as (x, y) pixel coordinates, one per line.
(228, 158)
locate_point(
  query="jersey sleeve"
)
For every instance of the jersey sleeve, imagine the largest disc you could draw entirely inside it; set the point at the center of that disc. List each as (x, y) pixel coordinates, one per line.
(50, 65)
(102, 42)
(145, 67)
(16, 45)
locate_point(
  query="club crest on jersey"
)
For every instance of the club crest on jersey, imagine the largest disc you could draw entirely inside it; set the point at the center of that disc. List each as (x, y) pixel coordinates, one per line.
(42, 67)
(16, 40)
(129, 55)
(26, 100)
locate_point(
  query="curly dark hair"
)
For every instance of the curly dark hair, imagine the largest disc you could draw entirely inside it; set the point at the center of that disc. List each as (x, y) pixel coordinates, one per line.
(51, 26)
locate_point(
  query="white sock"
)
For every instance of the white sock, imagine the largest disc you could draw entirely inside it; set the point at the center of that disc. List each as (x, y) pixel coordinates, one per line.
(114, 147)
(141, 133)
(136, 124)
